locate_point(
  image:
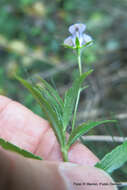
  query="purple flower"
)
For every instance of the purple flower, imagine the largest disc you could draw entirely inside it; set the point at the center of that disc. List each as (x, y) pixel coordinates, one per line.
(77, 33)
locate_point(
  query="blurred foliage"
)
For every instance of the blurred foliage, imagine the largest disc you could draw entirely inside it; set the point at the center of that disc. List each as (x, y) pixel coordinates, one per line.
(32, 33)
(31, 37)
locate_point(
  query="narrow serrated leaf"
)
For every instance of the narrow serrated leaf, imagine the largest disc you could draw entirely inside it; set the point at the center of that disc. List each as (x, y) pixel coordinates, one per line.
(47, 108)
(55, 105)
(9, 146)
(70, 98)
(84, 128)
(115, 159)
(52, 91)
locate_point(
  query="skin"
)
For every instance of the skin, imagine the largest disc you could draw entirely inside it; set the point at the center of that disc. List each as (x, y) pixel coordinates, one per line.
(28, 131)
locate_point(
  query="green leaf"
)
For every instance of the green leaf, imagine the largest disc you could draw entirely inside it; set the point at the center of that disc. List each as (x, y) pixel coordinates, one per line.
(55, 105)
(47, 109)
(70, 47)
(84, 128)
(9, 146)
(115, 159)
(51, 96)
(70, 98)
(87, 44)
(52, 91)
(85, 87)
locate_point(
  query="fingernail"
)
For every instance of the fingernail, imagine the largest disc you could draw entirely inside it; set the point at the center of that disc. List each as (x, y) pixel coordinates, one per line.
(78, 177)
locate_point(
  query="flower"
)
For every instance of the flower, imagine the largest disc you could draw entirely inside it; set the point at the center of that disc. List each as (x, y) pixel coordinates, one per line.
(77, 34)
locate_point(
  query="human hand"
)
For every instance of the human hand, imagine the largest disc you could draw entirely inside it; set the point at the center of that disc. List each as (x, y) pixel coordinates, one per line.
(20, 126)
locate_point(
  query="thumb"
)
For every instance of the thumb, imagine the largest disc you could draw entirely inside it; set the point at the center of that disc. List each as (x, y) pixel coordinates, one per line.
(19, 173)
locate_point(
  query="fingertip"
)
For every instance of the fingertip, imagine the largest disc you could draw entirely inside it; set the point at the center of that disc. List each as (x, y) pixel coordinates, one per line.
(78, 177)
(20, 173)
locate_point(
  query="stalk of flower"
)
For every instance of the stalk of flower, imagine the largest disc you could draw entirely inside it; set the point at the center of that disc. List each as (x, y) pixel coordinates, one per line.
(78, 40)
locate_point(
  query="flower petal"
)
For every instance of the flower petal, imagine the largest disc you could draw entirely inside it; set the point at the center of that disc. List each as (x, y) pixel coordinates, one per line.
(69, 41)
(77, 28)
(86, 39)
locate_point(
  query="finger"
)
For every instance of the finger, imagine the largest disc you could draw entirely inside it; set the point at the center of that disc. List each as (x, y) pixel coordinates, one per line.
(28, 131)
(19, 125)
(49, 149)
(19, 173)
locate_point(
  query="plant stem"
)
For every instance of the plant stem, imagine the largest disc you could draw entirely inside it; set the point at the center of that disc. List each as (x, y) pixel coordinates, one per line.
(64, 154)
(78, 96)
(64, 150)
(75, 110)
(79, 60)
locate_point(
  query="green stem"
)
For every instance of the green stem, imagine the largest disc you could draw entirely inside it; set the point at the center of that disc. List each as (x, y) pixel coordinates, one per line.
(75, 110)
(64, 149)
(78, 96)
(64, 154)
(79, 60)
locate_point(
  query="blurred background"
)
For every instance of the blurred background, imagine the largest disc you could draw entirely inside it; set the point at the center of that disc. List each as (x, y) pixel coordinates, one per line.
(31, 37)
